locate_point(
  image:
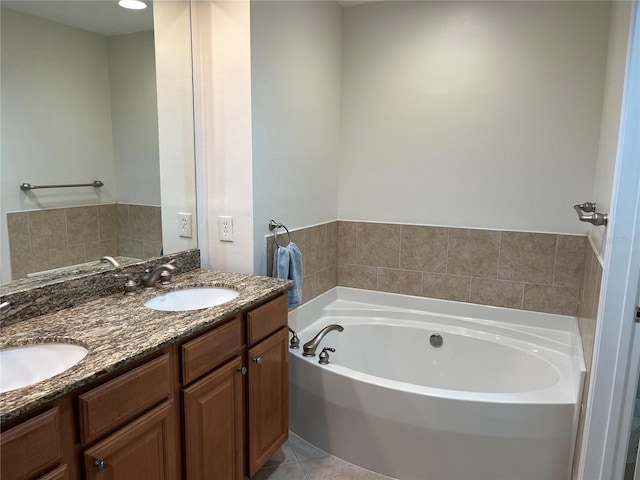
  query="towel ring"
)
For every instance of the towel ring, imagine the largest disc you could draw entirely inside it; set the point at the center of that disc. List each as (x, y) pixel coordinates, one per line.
(274, 226)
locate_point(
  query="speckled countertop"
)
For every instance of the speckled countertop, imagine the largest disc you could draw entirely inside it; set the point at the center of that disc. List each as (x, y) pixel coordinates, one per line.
(118, 330)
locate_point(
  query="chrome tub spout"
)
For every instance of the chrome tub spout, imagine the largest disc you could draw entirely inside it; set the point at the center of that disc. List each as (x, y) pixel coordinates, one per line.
(309, 348)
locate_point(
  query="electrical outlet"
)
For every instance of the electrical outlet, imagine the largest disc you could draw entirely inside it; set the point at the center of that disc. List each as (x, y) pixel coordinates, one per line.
(185, 225)
(225, 228)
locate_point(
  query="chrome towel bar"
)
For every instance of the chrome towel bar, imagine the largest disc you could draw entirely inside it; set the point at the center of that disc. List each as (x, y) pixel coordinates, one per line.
(25, 187)
(594, 218)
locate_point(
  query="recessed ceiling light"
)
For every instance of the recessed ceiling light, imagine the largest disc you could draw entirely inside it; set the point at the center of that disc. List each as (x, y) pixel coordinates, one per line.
(132, 4)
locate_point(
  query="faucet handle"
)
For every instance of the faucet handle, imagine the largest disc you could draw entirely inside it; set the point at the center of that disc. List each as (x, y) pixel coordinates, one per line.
(295, 341)
(324, 356)
(129, 285)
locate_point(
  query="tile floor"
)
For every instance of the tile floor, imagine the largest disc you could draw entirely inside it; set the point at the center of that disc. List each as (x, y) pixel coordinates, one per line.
(299, 460)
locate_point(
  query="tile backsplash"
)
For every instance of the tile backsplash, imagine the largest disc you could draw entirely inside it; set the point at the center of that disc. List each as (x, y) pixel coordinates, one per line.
(587, 321)
(58, 237)
(531, 271)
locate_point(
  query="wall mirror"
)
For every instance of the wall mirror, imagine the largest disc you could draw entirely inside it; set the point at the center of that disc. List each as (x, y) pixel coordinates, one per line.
(93, 91)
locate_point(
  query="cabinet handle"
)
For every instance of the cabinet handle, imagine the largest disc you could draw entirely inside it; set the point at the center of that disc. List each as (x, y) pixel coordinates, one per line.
(257, 360)
(100, 465)
(243, 370)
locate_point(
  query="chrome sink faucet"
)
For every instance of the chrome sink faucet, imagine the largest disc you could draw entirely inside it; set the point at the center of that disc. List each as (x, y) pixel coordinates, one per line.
(309, 348)
(111, 260)
(152, 275)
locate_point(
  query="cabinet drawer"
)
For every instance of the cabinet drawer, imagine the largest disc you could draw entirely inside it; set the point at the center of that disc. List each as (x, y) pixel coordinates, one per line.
(206, 352)
(116, 402)
(31, 447)
(266, 319)
(59, 473)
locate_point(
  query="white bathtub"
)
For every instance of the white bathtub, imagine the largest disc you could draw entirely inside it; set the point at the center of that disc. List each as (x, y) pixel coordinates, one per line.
(499, 399)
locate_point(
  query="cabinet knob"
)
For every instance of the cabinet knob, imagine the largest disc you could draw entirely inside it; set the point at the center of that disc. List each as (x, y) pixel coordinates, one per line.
(243, 370)
(257, 360)
(100, 465)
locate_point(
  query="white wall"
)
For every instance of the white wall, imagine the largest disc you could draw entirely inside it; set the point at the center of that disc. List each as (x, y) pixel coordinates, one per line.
(472, 114)
(134, 114)
(172, 29)
(222, 87)
(611, 110)
(55, 93)
(296, 54)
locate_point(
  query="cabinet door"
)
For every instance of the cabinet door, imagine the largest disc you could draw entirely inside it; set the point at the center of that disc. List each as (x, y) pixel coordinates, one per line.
(213, 425)
(268, 415)
(143, 450)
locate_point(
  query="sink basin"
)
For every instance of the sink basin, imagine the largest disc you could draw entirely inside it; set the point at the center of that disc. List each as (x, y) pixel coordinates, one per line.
(191, 299)
(29, 364)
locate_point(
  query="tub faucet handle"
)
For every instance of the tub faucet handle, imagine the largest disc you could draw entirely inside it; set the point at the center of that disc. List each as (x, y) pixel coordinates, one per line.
(324, 356)
(295, 341)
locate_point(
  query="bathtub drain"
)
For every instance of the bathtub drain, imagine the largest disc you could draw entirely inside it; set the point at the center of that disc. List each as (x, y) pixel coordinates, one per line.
(436, 340)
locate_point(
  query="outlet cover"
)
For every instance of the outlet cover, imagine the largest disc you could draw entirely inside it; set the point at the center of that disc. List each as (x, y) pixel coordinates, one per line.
(185, 226)
(225, 228)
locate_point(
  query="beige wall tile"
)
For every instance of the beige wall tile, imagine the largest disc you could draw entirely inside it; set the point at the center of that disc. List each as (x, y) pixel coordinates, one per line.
(23, 263)
(332, 244)
(393, 280)
(309, 287)
(108, 221)
(65, 256)
(82, 225)
(130, 248)
(47, 229)
(357, 276)
(97, 250)
(473, 252)
(271, 248)
(159, 225)
(124, 220)
(143, 222)
(496, 292)
(550, 299)
(527, 257)
(327, 278)
(151, 249)
(424, 248)
(378, 244)
(569, 261)
(446, 287)
(18, 231)
(315, 255)
(347, 238)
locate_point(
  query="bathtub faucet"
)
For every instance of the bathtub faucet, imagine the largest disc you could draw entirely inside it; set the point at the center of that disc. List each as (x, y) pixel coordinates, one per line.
(309, 348)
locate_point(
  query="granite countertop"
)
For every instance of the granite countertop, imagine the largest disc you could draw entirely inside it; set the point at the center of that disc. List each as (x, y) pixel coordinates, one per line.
(119, 329)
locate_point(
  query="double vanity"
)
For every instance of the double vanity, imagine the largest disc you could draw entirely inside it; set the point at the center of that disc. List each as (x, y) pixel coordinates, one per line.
(168, 387)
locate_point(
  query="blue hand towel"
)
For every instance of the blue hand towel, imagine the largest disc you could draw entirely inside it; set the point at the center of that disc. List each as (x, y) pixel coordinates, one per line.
(287, 264)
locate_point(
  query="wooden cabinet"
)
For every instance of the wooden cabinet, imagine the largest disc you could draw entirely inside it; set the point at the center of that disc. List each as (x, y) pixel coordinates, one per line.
(60, 473)
(214, 424)
(31, 448)
(232, 381)
(226, 437)
(268, 392)
(143, 450)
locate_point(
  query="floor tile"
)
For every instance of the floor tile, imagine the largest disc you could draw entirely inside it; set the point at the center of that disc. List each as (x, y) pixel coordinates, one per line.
(289, 471)
(332, 468)
(283, 456)
(304, 450)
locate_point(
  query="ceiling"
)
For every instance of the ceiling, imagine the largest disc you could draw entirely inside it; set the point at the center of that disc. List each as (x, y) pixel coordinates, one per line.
(103, 17)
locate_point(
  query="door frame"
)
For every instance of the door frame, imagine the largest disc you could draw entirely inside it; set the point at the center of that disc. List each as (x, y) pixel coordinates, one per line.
(616, 359)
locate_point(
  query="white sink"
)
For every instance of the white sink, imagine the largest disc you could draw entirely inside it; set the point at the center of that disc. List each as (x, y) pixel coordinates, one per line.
(191, 299)
(29, 364)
